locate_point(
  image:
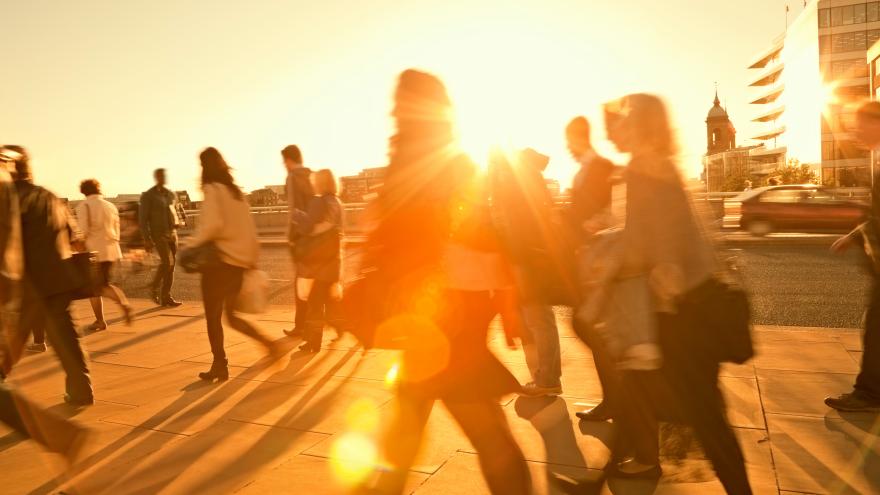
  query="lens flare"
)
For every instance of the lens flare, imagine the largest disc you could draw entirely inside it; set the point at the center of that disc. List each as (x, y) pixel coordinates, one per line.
(353, 458)
(362, 416)
(392, 375)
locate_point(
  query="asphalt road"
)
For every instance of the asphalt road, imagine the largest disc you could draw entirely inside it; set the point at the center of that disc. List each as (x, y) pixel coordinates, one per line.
(792, 281)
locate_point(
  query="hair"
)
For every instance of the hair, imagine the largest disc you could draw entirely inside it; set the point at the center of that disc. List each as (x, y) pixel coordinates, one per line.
(325, 182)
(291, 152)
(869, 110)
(578, 128)
(216, 171)
(158, 171)
(23, 164)
(774, 181)
(648, 120)
(89, 187)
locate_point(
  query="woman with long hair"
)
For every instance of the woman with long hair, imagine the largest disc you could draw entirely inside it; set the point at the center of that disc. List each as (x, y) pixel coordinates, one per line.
(664, 239)
(434, 241)
(225, 221)
(318, 257)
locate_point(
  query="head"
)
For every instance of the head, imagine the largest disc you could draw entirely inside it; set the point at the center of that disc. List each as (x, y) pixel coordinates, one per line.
(323, 182)
(577, 136)
(639, 124)
(216, 171)
(89, 187)
(774, 181)
(17, 161)
(292, 157)
(160, 177)
(868, 124)
(421, 102)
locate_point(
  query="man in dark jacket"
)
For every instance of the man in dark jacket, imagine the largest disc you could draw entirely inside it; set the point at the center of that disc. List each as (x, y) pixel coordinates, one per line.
(299, 194)
(160, 219)
(49, 277)
(590, 197)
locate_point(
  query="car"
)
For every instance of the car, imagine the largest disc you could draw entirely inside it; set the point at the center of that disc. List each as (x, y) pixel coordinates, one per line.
(794, 208)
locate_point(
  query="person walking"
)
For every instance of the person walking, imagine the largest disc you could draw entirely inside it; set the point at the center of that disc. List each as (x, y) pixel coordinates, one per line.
(299, 195)
(98, 220)
(319, 263)
(663, 239)
(225, 225)
(865, 396)
(49, 277)
(159, 220)
(433, 241)
(586, 215)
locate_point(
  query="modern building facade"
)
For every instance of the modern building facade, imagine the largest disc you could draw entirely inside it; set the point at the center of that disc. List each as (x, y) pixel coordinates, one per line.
(809, 83)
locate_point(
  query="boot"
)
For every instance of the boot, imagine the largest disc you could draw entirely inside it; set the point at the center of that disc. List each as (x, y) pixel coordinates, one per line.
(219, 371)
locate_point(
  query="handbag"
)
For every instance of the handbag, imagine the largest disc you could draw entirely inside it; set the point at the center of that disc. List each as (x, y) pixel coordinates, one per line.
(724, 314)
(85, 268)
(254, 295)
(199, 259)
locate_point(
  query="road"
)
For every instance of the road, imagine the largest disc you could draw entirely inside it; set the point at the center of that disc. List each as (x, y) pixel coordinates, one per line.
(792, 282)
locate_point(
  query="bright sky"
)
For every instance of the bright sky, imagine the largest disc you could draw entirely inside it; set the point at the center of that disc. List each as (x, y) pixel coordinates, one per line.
(112, 90)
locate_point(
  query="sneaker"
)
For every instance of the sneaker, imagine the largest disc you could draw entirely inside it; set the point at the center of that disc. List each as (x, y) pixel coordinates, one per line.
(37, 347)
(853, 402)
(532, 389)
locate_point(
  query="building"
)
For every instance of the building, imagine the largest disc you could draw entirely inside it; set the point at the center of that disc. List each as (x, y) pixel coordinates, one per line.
(360, 188)
(263, 197)
(874, 79)
(808, 83)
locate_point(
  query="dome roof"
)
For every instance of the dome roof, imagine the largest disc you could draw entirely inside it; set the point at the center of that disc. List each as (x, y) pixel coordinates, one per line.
(717, 111)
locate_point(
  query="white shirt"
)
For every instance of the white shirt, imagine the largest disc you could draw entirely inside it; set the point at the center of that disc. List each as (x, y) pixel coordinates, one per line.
(99, 221)
(226, 221)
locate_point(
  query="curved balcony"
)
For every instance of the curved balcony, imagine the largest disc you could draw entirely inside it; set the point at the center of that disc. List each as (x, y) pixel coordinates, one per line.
(769, 77)
(770, 116)
(770, 97)
(773, 133)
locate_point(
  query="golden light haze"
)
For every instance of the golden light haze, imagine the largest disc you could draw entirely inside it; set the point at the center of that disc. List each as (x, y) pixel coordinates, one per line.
(112, 90)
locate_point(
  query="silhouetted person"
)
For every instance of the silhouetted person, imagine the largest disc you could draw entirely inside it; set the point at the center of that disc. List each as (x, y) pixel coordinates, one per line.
(319, 264)
(587, 214)
(50, 278)
(160, 219)
(98, 220)
(299, 195)
(225, 221)
(434, 243)
(664, 240)
(866, 392)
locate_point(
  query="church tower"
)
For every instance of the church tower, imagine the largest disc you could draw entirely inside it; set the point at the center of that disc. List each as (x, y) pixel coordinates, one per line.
(720, 133)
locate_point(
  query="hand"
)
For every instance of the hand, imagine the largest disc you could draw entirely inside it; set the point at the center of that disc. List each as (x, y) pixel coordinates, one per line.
(841, 245)
(78, 246)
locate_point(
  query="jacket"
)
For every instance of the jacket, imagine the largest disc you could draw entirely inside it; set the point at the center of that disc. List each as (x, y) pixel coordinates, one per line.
(299, 195)
(99, 221)
(591, 191)
(227, 222)
(158, 212)
(320, 231)
(46, 232)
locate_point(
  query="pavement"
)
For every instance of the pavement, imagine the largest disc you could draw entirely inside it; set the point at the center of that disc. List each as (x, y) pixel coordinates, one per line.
(309, 423)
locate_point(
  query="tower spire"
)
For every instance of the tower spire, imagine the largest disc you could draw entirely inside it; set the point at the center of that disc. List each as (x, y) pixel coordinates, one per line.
(717, 101)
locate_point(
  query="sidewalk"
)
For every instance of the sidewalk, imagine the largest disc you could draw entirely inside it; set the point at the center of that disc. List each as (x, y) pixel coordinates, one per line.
(306, 423)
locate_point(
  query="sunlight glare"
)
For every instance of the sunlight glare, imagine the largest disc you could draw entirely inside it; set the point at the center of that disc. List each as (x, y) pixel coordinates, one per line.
(353, 458)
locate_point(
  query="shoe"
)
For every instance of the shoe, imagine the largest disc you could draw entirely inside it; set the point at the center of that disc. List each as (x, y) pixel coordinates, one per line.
(79, 401)
(293, 332)
(308, 347)
(598, 413)
(128, 315)
(633, 469)
(171, 303)
(219, 371)
(37, 347)
(853, 402)
(156, 298)
(532, 389)
(96, 327)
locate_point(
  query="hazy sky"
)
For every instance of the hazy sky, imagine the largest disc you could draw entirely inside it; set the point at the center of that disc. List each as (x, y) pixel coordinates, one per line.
(115, 88)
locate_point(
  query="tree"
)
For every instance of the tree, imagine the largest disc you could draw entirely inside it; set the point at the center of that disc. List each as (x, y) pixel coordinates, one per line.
(794, 172)
(736, 182)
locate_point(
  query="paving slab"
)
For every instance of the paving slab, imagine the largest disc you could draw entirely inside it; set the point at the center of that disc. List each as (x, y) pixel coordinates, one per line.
(823, 357)
(801, 393)
(743, 401)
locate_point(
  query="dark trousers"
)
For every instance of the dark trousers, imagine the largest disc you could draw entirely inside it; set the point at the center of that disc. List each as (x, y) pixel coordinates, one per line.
(220, 288)
(322, 309)
(62, 335)
(302, 307)
(29, 420)
(686, 390)
(166, 248)
(868, 381)
(606, 369)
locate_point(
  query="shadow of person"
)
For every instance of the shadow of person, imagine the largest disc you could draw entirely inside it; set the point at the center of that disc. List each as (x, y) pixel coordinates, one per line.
(862, 430)
(551, 418)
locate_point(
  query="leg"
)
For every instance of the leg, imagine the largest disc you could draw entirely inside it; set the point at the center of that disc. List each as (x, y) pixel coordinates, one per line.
(169, 273)
(213, 297)
(868, 381)
(54, 432)
(234, 276)
(161, 248)
(402, 440)
(98, 309)
(318, 299)
(541, 324)
(605, 369)
(501, 460)
(301, 307)
(637, 428)
(62, 336)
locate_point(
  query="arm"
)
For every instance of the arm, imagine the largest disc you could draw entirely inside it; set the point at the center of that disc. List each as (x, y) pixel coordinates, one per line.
(144, 219)
(82, 217)
(308, 221)
(210, 223)
(114, 223)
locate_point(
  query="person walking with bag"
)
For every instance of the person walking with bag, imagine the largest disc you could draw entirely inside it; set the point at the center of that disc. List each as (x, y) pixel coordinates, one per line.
(663, 239)
(99, 221)
(319, 263)
(226, 229)
(435, 247)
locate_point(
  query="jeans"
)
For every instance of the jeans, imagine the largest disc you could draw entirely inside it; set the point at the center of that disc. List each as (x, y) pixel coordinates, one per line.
(220, 288)
(540, 322)
(606, 368)
(62, 335)
(868, 381)
(166, 248)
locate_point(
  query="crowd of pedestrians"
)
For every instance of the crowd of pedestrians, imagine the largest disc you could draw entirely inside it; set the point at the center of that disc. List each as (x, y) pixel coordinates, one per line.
(451, 246)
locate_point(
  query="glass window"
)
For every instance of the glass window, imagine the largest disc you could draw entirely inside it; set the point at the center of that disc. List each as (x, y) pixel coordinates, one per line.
(828, 177)
(827, 150)
(873, 36)
(859, 13)
(836, 17)
(873, 12)
(781, 196)
(859, 40)
(825, 44)
(824, 18)
(847, 15)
